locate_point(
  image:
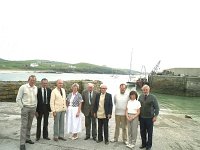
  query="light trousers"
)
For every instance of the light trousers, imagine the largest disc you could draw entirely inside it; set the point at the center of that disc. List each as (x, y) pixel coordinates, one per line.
(132, 130)
(120, 121)
(59, 124)
(27, 115)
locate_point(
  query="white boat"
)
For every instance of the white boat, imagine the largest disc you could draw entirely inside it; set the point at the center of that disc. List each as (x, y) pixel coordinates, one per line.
(132, 78)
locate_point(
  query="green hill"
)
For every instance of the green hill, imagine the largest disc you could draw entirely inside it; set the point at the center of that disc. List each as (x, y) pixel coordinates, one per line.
(54, 66)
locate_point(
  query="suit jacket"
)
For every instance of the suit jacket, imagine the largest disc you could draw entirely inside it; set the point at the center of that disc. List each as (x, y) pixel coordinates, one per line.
(86, 107)
(40, 100)
(108, 105)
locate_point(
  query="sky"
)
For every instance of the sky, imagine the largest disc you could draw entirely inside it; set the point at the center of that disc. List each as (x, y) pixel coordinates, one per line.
(103, 32)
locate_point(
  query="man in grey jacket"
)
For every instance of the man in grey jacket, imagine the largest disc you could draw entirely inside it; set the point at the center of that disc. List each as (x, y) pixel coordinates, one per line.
(89, 96)
(27, 100)
(148, 114)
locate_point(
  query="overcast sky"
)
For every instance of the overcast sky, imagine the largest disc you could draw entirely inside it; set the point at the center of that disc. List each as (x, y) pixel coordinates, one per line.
(102, 32)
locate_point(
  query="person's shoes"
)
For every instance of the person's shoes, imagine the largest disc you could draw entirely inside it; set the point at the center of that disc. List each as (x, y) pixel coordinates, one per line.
(126, 142)
(113, 140)
(37, 139)
(142, 146)
(94, 138)
(86, 138)
(47, 138)
(98, 141)
(74, 138)
(29, 141)
(61, 138)
(55, 139)
(22, 147)
(106, 142)
(130, 146)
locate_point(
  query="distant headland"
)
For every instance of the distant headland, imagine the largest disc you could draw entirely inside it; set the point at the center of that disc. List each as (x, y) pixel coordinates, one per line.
(47, 66)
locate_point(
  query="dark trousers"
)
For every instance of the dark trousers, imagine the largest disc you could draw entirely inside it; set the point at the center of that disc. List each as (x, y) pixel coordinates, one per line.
(146, 131)
(45, 115)
(103, 125)
(90, 120)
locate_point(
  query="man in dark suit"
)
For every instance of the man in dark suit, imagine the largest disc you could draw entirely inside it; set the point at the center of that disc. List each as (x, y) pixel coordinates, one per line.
(89, 97)
(43, 109)
(103, 111)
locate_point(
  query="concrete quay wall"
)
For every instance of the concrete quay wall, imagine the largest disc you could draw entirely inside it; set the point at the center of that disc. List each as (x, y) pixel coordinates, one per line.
(175, 85)
(9, 89)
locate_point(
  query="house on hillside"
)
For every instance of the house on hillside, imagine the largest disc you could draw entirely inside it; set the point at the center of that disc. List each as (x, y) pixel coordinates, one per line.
(34, 65)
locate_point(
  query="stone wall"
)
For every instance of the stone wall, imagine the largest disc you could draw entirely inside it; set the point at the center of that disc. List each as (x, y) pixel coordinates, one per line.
(175, 85)
(9, 89)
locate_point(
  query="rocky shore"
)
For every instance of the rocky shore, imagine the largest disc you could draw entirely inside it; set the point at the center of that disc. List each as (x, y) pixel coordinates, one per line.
(171, 132)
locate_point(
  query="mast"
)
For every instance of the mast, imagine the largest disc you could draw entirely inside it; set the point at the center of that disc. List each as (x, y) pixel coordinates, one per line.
(130, 71)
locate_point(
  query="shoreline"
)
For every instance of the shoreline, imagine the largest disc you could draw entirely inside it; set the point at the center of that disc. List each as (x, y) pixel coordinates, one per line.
(15, 71)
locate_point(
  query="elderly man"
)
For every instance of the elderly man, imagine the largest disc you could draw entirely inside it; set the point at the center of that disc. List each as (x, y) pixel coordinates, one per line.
(58, 107)
(89, 96)
(27, 100)
(148, 114)
(103, 111)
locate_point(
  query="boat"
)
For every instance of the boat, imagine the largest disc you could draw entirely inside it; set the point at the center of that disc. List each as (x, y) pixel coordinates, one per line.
(132, 78)
(114, 75)
(143, 78)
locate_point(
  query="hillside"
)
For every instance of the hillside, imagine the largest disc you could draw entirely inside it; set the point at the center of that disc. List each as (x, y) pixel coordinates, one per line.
(54, 66)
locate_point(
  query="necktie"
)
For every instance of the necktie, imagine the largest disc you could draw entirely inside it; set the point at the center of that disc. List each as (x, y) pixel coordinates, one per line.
(61, 92)
(90, 98)
(145, 97)
(45, 96)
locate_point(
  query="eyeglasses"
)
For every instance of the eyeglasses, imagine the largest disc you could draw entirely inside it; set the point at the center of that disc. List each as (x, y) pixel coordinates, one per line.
(103, 88)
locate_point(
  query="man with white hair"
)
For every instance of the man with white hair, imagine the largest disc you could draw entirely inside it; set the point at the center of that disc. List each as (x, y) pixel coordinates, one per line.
(148, 114)
(58, 107)
(103, 111)
(89, 96)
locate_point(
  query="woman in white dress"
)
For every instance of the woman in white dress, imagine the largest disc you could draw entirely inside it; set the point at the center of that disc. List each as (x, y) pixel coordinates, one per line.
(74, 101)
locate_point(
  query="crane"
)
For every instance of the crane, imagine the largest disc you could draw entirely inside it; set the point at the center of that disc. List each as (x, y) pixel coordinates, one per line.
(155, 69)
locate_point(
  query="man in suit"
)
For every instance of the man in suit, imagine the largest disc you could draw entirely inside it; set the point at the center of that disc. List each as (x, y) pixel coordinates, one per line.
(89, 96)
(43, 109)
(103, 111)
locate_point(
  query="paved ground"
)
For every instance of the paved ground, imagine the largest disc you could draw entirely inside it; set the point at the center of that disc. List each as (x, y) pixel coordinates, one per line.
(171, 132)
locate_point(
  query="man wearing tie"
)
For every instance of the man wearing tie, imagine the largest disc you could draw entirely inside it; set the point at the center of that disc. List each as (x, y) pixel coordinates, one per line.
(89, 96)
(43, 109)
(58, 107)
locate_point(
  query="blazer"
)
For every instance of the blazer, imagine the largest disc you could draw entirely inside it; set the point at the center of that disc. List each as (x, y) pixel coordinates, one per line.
(40, 100)
(86, 107)
(108, 105)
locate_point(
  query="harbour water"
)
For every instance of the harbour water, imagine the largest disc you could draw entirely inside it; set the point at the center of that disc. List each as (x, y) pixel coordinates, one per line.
(112, 82)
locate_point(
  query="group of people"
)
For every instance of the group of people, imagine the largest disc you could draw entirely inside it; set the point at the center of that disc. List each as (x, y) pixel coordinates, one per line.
(130, 110)
(96, 106)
